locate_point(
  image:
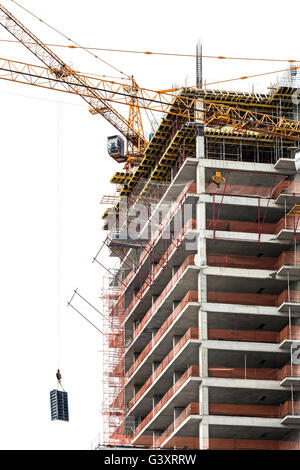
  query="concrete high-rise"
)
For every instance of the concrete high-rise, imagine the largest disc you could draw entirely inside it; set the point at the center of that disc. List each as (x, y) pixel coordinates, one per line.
(204, 305)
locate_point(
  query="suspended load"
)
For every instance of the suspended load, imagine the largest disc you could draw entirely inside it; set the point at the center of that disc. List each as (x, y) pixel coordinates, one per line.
(59, 402)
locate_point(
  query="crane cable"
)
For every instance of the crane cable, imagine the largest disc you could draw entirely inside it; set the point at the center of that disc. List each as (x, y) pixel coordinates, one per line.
(172, 54)
(69, 39)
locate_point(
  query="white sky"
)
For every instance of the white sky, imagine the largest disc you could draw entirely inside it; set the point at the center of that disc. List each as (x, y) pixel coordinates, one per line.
(50, 141)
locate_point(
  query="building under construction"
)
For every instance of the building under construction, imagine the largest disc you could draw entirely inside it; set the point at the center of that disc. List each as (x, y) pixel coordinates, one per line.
(202, 298)
(202, 309)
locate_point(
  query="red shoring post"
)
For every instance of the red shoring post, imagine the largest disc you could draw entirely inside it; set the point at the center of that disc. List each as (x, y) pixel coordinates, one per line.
(225, 186)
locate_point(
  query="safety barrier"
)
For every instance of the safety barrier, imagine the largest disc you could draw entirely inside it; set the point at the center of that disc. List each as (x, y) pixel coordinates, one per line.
(244, 262)
(251, 227)
(264, 300)
(243, 335)
(288, 258)
(289, 371)
(289, 187)
(244, 373)
(250, 373)
(288, 332)
(260, 411)
(288, 296)
(239, 226)
(239, 190)
(291, 332)
(242, 298)
(291, 408)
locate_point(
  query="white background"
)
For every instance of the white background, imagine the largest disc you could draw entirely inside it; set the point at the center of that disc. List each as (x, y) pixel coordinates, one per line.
(53, 155)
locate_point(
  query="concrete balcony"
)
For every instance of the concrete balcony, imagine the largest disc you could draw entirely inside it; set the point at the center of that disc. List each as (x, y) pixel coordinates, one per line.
(290, 375)
(290, 413)
(289, 300)
(185, 313)
(161, 378)
(185, 278)
(287, 192)
(288, 336)
(289, 265)
(161, 272)
(284, 229)
(169, 437)
(247, 418)
(176, 195)
(185, 389)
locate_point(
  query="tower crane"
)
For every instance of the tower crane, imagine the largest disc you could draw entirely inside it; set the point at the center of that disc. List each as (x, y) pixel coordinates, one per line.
(131, 128)
(102, 95)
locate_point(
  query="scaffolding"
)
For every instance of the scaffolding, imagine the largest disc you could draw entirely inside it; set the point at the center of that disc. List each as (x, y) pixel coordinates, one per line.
(113, 408)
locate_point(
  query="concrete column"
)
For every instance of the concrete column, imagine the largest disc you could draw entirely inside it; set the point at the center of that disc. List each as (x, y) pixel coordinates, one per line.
(174, 269)
(204, 400)
(203, 435)
(177, 411)
(137, 388)
(155, 364)
(176, 375)
(156, 399)
(155, 434)
(203, 361)
(136, 355)
(202, 325)
(154, 331)
(202, 287)
(176, 338)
